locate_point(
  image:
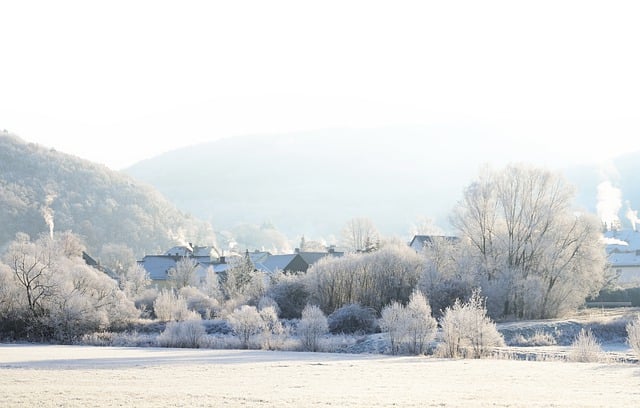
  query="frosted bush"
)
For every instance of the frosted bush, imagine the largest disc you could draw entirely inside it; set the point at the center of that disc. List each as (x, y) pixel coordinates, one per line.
(312, 327)
(170, 306)
(467, 331)
(352, 318)
(184, 334)
(392, 321)
(538, 339)
(410, 328)
(633, 335)
(585, 348)
(273, 333)
(246, 322)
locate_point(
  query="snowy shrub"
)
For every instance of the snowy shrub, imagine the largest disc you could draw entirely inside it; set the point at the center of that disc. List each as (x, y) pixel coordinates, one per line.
(585, 348)
(538, 339)
(633, 335)
(410, 328)
(184, 334)
(467, 331)
(246, 322)
(170, 306)
(199, 302)
(273, 332)
(312, 326)
(393, 323)
(353, 318)
(144, 301)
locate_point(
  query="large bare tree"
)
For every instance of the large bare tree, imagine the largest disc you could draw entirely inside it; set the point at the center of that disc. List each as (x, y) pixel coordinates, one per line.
(535, 255)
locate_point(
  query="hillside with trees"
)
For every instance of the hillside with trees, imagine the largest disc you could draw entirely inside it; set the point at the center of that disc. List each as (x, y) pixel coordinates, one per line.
(42, 190)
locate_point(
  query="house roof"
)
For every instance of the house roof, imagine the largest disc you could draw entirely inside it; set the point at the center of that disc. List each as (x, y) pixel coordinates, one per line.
(624, 259)
(423, 240)
(276, 262)
(158, 266)
(312, 257)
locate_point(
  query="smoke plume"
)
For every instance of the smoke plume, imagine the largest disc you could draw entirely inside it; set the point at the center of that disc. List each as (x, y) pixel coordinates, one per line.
(47, 213)
(609, 204)
(632, 216)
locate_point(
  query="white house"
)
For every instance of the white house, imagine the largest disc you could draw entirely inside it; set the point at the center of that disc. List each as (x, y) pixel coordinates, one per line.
(623, 255)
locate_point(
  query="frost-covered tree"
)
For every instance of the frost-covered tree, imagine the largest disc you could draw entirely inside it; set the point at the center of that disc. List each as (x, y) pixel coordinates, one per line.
(272, 328)
(118, 258)
(371, 279)
(246, 322)
(312, 326)
(54, 293)
(535, 257)
(183, 274)
(134, 281)
(448, 273)
(360, 235)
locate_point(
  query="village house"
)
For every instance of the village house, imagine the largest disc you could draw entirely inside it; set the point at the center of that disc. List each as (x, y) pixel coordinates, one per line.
(159, 266)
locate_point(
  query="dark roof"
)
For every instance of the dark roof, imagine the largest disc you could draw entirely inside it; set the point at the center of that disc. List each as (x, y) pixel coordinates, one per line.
(312, 257)
(428, 239)
(88, 259)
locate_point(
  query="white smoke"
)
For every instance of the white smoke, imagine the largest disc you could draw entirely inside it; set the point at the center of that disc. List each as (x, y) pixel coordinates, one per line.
(47, 212)
(632, 216)
(609, 204)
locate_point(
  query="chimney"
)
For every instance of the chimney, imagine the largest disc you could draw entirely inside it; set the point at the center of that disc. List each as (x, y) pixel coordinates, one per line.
(222, 259)
(297, 250)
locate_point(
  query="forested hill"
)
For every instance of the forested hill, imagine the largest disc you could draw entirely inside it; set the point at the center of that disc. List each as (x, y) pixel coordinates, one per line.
(313, 182)
(42, 188)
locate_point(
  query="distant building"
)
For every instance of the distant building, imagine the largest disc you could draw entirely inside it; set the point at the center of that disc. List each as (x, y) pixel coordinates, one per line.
(159, 266)
(420, 241)
(623, 255)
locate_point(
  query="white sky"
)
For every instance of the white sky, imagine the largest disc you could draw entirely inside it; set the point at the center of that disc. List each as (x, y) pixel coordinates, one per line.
(119, 81)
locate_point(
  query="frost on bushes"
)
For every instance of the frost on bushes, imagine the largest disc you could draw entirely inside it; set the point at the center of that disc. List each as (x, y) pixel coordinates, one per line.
(353, 319)
(246, 322)
(633, 335)
(467, 331)
(185, 334)
(273, 332)
(312, 326)
(585, 348)
(170, 306)
(410, 328)
(50, 292)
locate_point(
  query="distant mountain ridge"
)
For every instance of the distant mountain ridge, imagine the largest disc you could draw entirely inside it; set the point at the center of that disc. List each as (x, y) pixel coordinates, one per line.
(311, 183)
(41, 188)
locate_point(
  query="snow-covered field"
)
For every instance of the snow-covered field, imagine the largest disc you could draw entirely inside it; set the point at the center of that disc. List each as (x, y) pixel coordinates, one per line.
(81, 376)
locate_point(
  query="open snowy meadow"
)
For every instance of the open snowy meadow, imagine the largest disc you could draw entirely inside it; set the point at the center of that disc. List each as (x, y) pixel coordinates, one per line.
(81, 376)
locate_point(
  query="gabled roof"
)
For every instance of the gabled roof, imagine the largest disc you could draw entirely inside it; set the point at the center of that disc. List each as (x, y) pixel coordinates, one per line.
(158, 266)
(422, 240)
(289, 263)
(259, 256)
(312, 257)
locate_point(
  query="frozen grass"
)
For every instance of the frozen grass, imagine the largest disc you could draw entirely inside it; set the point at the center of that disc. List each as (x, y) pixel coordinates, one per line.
(76, 376)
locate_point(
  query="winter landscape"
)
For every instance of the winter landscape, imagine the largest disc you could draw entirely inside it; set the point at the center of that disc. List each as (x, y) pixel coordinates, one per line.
(292, 204)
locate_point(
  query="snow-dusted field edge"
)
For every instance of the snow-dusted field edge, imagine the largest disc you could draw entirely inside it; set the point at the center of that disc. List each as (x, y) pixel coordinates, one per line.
(81, 376)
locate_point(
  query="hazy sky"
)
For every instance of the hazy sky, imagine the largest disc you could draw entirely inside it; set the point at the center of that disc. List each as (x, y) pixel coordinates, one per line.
(118, 81)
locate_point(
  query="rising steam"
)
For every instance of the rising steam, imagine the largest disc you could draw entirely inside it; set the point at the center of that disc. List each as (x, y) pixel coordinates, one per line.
(47, 212)
(609, 204)
(632, 216)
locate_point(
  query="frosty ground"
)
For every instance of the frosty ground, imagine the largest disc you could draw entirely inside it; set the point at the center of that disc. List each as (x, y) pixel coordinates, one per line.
(70, 376)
